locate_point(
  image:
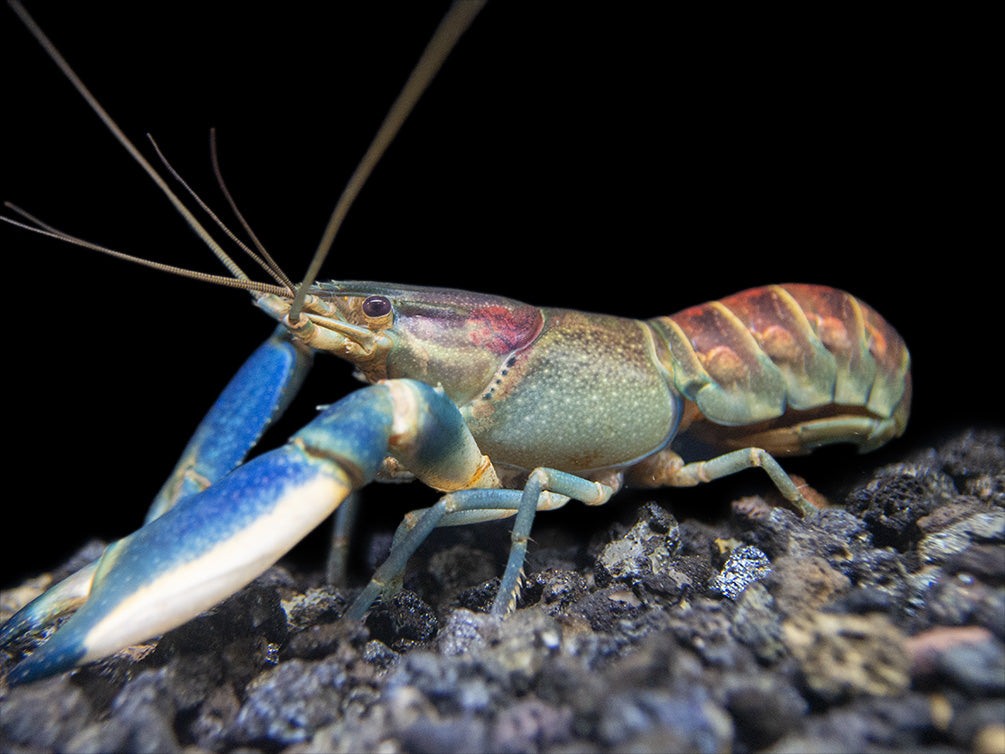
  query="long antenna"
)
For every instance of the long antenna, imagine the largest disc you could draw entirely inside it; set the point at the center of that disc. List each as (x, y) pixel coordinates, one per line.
(454, 24)
(267, 263)
(270, 264)
(194, 224)
(456, 21)
(44, 229)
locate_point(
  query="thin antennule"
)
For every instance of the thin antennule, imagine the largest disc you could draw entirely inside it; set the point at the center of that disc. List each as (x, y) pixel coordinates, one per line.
(270, 269)
(454, 24)
(277, 271)
(110, 124)
(44, 229)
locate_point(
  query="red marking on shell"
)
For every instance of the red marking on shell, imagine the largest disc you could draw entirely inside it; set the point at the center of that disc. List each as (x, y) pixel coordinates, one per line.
(502, 330)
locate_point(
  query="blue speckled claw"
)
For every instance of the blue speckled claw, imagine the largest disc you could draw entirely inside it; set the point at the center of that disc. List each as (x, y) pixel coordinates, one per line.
(193, 556)
(211, 544)
(257, 395)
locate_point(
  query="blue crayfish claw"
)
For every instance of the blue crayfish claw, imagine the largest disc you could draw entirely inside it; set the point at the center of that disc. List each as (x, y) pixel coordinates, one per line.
(192, 557)
(211, 544)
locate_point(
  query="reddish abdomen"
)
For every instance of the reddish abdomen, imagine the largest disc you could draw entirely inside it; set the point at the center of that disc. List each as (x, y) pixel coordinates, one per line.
(787, 349)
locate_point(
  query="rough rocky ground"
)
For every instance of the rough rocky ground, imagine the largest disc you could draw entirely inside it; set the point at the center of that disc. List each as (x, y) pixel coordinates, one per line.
(877, 625)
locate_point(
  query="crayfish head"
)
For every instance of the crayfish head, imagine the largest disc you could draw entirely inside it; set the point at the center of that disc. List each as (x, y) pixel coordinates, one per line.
(446, 338)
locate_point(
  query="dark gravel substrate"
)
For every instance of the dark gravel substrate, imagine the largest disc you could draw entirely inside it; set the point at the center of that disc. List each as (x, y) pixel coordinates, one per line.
(878, 625)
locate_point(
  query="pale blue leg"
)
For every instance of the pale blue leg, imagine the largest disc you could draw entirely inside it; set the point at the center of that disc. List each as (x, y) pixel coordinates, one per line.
(404, 547)
(471, 506)
(391, 584)
(570, 485)
(336, 569)
(739, 460)
(502, 506)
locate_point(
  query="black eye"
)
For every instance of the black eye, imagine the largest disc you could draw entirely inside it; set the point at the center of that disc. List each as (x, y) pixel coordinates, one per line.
(376, 306)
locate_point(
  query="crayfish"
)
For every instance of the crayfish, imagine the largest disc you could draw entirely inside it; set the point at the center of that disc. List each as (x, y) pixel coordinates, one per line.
(506, 408)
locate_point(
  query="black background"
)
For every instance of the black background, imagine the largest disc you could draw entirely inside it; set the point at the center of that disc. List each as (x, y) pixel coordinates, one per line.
(620, 158)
